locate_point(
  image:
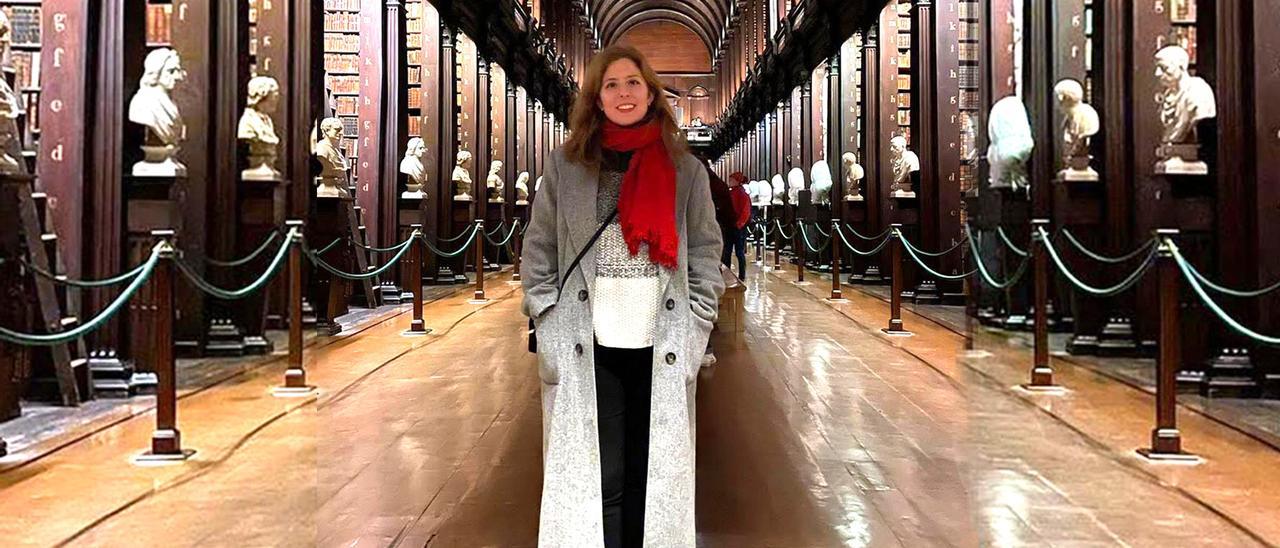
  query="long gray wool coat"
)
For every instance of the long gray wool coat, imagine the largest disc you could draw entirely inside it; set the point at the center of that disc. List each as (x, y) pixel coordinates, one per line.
(563, 220)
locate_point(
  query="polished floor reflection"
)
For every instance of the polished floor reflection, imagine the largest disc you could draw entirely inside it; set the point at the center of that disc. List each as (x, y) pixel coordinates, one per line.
(814, 430)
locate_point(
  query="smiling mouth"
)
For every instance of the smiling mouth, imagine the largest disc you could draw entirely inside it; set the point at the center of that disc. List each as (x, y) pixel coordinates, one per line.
(628, 107)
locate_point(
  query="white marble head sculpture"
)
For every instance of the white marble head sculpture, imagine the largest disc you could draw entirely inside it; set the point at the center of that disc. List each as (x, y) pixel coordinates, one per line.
(795, 183)
(257, 129)
(522, 187)
(820, 182)
(1011, 143)
(412, 166)
(1184, 99)
(494, 167)
(764, 193)
(852, 171)
(152, 106)
(779, 188)
(1080, 122)
(264, 94)
(464, 157)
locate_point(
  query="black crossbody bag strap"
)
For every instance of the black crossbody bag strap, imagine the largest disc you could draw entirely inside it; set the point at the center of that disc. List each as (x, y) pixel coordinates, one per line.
(533, 336)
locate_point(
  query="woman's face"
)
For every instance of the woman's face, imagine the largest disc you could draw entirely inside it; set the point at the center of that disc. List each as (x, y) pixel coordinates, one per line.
(624, 95)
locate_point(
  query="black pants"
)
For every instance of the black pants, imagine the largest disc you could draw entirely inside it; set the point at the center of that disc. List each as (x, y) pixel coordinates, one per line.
(623, 383)
(735, 244)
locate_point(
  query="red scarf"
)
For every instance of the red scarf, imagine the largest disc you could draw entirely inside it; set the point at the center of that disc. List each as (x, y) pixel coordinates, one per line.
(647, 205)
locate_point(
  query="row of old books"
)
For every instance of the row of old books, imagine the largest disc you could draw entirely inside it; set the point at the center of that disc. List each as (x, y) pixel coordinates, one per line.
(159, 25)
(25, 21)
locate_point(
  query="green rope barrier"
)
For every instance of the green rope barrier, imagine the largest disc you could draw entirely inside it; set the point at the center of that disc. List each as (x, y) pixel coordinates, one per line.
(804, 235)
(63, 280)
(386, 249)
(818, 226)
(275, 233)
(30, 339)
(783, 231)
(461, 250)
(1186, 269)
(1229, 291)
(510, 234)
(496, 229)
(404, 248)
(928, 254)
(1008, 242)
(883, 242)
(1101, 292)
(1103, 258)
(326, 248)
(453, 239)
(982, 268)
(911, 250)
(859, 235)
(234, 294)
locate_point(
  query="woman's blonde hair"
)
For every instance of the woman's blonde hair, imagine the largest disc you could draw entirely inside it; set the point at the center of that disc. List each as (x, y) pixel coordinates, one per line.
(586, 119)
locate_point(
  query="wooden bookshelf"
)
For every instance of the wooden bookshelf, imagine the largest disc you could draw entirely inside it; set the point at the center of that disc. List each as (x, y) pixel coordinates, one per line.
(341, 68)
(159, 24)
(970, 31)
(902, 41)
(415, 58)
(22, 69)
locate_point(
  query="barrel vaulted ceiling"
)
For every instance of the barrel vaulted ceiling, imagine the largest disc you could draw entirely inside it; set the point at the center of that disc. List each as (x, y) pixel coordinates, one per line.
(706, 18)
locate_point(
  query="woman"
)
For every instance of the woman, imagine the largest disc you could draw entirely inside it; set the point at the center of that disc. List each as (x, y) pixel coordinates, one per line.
(619, 347)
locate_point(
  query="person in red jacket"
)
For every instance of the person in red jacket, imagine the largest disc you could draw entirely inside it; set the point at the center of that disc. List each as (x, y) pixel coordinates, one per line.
(735, 235)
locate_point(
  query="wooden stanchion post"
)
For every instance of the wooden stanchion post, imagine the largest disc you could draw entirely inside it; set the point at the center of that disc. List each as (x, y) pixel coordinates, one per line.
(516, 237)
(777, 246)
(799, 244)
(895, 288)
(1041, 371)
(166, 440)
(836, 294)
(416, 255)
(759, 241)
(295, 377)
(479, 243)
(1166, 441)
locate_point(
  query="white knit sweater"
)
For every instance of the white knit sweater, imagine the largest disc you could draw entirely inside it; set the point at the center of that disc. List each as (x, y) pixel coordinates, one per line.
(627, 292)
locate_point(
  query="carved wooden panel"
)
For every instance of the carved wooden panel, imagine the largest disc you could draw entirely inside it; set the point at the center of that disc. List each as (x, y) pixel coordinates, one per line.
(61, 165)
(946, 212)
(369, 137)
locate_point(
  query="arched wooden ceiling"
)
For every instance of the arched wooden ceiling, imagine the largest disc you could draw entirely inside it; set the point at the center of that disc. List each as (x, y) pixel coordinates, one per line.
(706, 18)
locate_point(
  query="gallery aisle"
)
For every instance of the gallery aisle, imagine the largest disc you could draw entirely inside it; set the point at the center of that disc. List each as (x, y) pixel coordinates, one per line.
(813, 431)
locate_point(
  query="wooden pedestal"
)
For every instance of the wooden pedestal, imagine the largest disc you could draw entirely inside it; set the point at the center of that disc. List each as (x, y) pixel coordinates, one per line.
(262, 209)
(151, 204)
(462, 215)
(412, 212)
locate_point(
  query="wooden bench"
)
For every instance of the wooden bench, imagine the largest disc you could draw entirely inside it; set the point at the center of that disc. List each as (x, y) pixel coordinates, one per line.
(733, 304)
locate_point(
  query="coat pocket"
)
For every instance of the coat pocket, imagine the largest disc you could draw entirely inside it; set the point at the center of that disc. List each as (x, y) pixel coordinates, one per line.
(549, 351)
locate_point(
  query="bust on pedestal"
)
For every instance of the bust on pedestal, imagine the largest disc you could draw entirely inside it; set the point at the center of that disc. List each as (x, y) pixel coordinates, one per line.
(853, 174)
(795, 183)
(779, 188)
(495, 184)
(332, 181)
(905, 167)
(153, 108)
(1011, 144)
(257, 129)
(1080, 122)
(820, 182)
(413, 167)
(522, 188)
(462, 178)
(1183, 101)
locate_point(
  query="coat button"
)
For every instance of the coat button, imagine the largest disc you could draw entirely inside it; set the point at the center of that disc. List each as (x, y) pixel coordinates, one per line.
(582, 295)
(671, 358)
(577, 348)
(671, 304)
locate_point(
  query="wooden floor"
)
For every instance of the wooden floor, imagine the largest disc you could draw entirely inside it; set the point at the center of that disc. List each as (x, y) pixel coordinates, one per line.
(814, 430)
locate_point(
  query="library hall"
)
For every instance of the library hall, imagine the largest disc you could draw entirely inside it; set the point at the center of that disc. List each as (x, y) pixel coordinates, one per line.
(639, 273)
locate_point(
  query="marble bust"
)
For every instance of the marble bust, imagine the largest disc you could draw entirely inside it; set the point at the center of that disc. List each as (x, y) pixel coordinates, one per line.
(411, 165)
(462, 178)
(522, 188)
(905, 166)
(153, 107)
(1184, 100)
(795, 183)
(537, 185)
(257, 129)
(779, 188)
(1080, 122)
(1009, 130)
(820, 182)
(10, 108)
(494, 183)
(333, 173)
(853, 175)
(764, 193)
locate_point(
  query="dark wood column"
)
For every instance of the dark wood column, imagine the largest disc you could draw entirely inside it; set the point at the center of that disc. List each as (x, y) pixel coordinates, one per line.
(531, 141)
(231, 70)
(65, 98)
(835, 133)
(871, 111)
(774, 147)
(1040, 103)
(1265, 132)
(483, 115)
(446, 142)
(945, 214)
(433, 113)
(512, 155)
(369, 141)
(806, 126)
(394, 130)
(788, 140)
